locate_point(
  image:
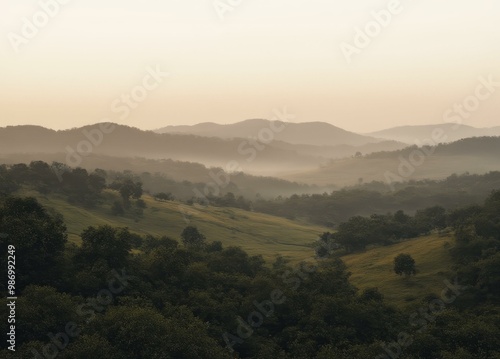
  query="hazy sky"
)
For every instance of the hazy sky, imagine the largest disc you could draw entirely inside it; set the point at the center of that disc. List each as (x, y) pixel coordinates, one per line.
(262, 55)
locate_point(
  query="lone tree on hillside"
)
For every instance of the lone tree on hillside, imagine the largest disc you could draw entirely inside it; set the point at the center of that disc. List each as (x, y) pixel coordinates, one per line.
(404, 264)
(191, 237)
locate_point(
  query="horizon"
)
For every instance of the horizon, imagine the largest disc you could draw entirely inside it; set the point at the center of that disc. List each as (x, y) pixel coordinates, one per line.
(233, 123)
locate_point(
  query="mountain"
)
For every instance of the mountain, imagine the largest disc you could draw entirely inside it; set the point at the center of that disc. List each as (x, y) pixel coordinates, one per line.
(124, 141)
(474, 155)
(421, 134)
(259, 157)
(306, 133)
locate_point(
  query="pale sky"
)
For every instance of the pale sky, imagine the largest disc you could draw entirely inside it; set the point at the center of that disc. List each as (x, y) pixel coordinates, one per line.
(264, 55)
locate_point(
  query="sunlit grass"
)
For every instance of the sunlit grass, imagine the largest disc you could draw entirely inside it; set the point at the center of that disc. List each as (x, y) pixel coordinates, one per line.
(256, 233)
(374, 268)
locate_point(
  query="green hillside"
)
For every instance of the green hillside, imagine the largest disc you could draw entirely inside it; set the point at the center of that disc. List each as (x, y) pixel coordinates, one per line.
(256, 233)
(269, 236)
(374, 268)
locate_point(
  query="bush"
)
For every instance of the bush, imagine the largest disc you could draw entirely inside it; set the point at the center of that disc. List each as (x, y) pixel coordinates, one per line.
(117, 209)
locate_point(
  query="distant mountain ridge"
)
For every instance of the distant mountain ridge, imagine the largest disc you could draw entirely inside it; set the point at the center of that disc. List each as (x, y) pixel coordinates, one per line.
(477, 155)
(305, 133)
(451, 132)
(339, 164)
(263, 158)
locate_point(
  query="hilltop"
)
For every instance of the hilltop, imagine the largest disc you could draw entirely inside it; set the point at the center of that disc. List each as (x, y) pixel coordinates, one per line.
(306, 133)
(260, 154)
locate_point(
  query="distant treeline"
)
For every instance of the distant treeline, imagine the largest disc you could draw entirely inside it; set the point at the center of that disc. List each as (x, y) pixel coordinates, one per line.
(359, 232)
(328, 209)
(331, 209)
(77, 184)
(378, 229)
(166, 176)
(478, 146)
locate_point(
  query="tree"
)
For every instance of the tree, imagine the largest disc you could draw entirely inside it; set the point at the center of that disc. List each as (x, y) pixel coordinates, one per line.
(75, 183)
(109, 244)
(117, 209)
(356, 233)
(145, 333)
(39, 239)
(191, 237)
(404, 264)
(430, 218)
(127, 189)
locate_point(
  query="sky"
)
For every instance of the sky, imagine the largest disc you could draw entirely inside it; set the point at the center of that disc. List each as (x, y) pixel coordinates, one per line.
(69, 64)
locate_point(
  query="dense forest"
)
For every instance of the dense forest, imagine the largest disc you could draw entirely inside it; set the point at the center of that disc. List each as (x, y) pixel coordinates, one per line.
(121, 295)
(377, 198)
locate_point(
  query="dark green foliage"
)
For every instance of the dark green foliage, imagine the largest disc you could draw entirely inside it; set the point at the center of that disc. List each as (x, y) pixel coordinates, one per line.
(117, 209)
(105, 243)
(330, 209)
(140, 203)
(183, 302)
(77, 184)
(191, 237)
(359, 232)
(38, 237)
(404, 264)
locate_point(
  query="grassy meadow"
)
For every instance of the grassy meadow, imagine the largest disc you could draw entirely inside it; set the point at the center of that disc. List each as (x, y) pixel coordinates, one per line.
(374, 268)
(256, 233)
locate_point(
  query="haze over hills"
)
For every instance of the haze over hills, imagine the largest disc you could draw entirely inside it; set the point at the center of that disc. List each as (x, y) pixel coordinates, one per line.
(126, 141)
(256, 156)
(306, 133)
(323, 165)
(473, 155)
(420, 134)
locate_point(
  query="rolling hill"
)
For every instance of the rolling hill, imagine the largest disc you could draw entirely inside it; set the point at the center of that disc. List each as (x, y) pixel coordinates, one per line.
(453, 132)
(374, 268)
(256, 233)
(306, 133)
(267, 158)
(473, 155)
(124, 141)
(270, 236)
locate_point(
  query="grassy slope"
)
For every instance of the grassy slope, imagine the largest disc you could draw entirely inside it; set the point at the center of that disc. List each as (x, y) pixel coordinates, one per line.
(255, 232)
(374, 268)
(269, 236)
